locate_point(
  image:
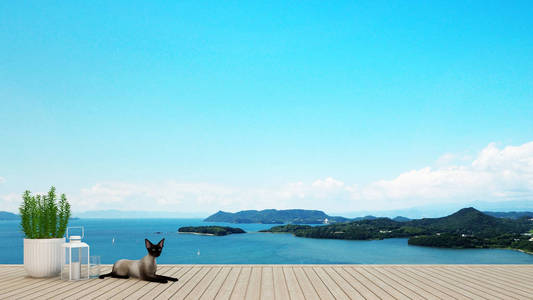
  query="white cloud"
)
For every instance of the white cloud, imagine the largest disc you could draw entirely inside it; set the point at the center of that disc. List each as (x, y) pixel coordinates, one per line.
(446, 158)
(10, 202)
(2, 179)
(153, 196)
(493, 175)
(328, 183)
(453, 159)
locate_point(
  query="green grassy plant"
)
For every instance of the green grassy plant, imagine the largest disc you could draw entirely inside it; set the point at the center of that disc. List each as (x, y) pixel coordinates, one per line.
(43, 216)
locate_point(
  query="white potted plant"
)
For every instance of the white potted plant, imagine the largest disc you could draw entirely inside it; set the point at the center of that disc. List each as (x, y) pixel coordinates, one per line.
(43, 220)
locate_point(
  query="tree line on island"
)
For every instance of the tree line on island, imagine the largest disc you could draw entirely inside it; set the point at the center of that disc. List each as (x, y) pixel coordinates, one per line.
(467, 228)
(211, 230)
(274, 216)
(305, 216)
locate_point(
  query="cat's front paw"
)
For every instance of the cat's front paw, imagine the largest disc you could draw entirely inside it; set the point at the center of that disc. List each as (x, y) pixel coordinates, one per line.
(164, 281)
(173, 279)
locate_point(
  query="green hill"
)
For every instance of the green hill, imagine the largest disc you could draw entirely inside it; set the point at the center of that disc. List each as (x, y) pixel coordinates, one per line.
(471, 221)
(401, 219)
(273, 216)
(467, 228)
(7, 216)
(211, 230)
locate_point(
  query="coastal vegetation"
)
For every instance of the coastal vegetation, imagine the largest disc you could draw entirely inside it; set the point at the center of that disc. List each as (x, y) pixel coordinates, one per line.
(211, 230)
(274, 216)
(514, 241)
(467, 228)
(44, 216)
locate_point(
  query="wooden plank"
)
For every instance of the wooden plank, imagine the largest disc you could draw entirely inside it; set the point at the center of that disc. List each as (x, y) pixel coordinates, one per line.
(522, 271)
(175, 286)
(442, 282)
(213, 289)
(225, 290)
(184, 274)
(11, 267)
(267, 284)
(522, 281)
(388, 287)
(49, 285)
(474, 288)
(377, 290)
(458, 286)
(118, 286)
(23, 284)
(512, 275)
(333, 287)
(436, 288)
(280, 285)
(185, 289)
(253, 291)
(203, 285)
(494, 287)
(418, 289)
(150, 286)
(11, 272)
(91, 287)
(68, 288)
(239, 290)
(18, 282)
(393, 284)
(498, 280)
(16, 278)
(125, 292)
(319, 286)
(305, 284)
(358, 286)
(112, 288)
(295, 292)
(289, 281)
(346, 287)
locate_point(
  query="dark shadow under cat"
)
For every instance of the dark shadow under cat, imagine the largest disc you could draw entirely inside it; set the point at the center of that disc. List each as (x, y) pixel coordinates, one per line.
(144, 269)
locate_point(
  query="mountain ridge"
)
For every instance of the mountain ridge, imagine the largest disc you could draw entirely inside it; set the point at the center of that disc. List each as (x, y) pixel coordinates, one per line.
(274, 216)
(466, 228)
(7, 216)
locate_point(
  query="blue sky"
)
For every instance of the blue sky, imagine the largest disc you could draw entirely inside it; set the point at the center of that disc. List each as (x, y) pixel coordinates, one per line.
(250, 99)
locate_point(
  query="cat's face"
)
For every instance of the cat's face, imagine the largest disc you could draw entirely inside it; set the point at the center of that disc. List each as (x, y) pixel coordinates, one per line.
(154, 250)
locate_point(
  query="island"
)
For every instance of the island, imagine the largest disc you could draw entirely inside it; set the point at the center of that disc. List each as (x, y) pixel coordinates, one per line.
(467, 228)
(7, 216)
(274, 216)
(210, 230)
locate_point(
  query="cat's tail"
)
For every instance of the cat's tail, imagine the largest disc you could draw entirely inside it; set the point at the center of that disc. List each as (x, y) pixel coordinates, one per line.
(105, 275)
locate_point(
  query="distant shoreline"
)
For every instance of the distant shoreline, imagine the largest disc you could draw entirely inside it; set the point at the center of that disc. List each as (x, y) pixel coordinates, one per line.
(526, 252)
(197, 233)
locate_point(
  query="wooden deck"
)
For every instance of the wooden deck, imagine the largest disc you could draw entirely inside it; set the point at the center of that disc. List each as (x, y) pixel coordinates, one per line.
(288, 282)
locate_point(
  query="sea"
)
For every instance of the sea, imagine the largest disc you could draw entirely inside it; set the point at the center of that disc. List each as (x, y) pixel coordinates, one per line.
(114, 239)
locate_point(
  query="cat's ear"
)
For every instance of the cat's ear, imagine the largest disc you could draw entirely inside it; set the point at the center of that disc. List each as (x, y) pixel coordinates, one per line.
(161, 242)
(147, 243)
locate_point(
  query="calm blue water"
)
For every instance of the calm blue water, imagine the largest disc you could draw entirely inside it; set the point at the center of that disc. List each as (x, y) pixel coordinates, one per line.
(250, 248)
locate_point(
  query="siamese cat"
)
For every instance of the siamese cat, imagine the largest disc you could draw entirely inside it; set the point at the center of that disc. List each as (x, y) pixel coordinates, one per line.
(144, 268)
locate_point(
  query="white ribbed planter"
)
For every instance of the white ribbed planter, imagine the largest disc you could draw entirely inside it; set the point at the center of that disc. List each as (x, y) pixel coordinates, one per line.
(42, 257)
